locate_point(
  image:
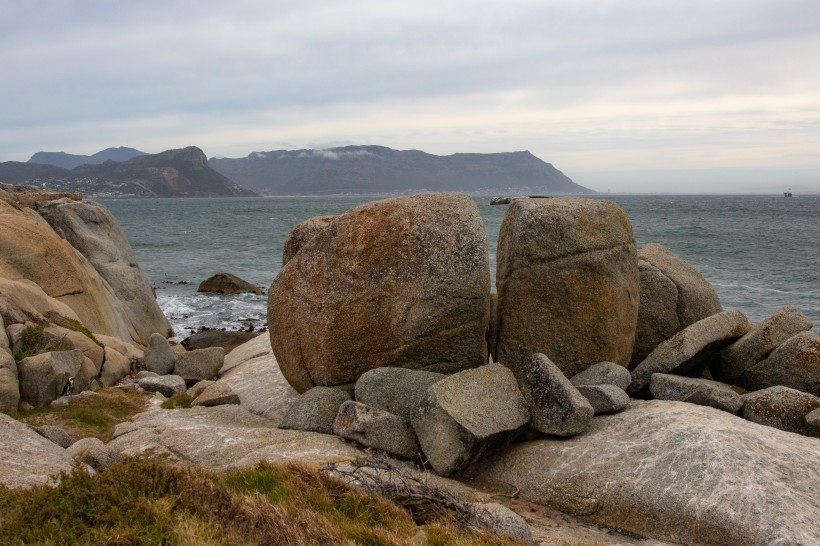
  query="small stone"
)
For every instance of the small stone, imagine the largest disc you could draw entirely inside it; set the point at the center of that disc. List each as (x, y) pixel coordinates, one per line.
(158, 356)
(197, 389)
(556, 405)
(218, 394)
(604, 373)
(377, 429)
(813, 420)
(55, 434)
(604, 398)
(167, 385)
(227, 283)
(315, 410)
(499, 520)
(394, 389)
(94, 453)
(199, 364)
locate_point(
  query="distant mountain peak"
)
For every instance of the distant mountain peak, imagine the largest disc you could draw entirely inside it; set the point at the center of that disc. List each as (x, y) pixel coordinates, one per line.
(70, 161)
(378, 169)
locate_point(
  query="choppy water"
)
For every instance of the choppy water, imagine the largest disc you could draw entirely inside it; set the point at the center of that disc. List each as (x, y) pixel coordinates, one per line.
(760, 252)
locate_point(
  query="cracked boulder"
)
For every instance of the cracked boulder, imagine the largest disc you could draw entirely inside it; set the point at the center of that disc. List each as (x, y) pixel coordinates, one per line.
(568, 283)
(400, 282)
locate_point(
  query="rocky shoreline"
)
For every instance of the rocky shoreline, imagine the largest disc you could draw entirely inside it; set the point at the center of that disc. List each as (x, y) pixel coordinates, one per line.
(601, 381)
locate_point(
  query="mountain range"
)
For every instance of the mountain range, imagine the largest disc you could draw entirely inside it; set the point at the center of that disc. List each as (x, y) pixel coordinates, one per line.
(126, 172)
(377, 169)
(69, 161)
(173, 173)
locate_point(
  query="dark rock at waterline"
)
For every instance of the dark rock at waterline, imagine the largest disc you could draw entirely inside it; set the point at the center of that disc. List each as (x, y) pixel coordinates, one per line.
(226, 283)
(218, 338)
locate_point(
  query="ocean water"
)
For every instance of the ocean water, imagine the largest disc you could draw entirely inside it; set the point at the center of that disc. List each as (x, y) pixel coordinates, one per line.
(759, 251)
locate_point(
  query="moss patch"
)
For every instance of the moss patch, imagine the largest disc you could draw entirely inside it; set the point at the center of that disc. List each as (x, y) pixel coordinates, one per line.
(72, 324)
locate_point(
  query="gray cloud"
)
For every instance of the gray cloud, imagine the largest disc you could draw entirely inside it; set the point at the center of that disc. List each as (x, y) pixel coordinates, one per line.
(590, 84)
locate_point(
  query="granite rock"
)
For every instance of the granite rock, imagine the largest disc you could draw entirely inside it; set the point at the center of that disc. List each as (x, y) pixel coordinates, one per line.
(604, 398)
(703, 392)
(395, 390)
(315, 410)
(158, 355)
(795, 363)
(782, 408)
(166, 385)
(376, 429)
(603, 373)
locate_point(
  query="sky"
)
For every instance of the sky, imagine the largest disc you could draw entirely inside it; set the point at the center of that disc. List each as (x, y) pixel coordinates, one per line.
(621, 95)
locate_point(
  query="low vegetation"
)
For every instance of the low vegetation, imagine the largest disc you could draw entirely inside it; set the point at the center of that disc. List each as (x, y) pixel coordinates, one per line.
(33, 342)
(147, 501)
(94, 415)
(72, 324)
(179, 400)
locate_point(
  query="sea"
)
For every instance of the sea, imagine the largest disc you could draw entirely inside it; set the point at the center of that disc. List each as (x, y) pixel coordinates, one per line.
(760, 252)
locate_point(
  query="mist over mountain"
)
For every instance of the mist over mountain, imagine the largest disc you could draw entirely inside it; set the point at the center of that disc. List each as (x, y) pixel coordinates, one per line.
(69, 161)
(377, 169)
(173, 173)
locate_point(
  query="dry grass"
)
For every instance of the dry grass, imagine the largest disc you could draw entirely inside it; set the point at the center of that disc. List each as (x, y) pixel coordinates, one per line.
(95, 415)
(145, 501)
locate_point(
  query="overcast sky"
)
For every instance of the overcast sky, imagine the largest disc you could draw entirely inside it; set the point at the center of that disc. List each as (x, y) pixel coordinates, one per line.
(652, 95)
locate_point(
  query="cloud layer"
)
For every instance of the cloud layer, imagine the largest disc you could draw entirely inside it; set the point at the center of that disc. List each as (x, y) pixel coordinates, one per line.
(590, 85)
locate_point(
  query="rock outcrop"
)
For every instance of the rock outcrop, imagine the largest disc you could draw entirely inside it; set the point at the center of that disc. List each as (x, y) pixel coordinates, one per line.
(673, 296)
(302, 233)
(227, 283)
(568, 284)
(91, 229)
(402, 282)
(674, 471)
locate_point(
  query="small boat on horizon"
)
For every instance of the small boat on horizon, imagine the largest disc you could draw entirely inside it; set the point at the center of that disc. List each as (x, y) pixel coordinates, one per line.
(788, 193)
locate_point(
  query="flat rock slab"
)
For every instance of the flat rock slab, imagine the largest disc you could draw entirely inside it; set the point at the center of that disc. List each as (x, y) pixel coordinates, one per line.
(258, 346)
(28, 459)
(224, 437)
(676, 472)
(694, 390)
(261, 387)
(690, 348)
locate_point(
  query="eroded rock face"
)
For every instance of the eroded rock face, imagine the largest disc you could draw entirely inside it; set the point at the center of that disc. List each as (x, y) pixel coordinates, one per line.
(673, 296)
(402, 282)
(696, 475)
(302, 233)
(761, 339)
(464, 414)
(692, 348)
(568, 283)
(91, 229)
(795, 363)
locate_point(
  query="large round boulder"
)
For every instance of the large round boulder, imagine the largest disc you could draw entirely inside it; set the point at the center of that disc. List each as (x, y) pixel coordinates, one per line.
(401, 282)
(673, 296)
(302, 233)
(567, 283)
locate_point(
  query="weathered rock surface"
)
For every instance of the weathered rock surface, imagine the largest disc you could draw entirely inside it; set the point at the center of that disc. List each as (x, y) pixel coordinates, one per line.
(199, 364)
(603, 373)
(28, 458)
(217, 394)
(228, 340)
(55, 434)
(224, 437)
(604, 398)
(91, 229)
(674, 295)
(781, 407)
(44, 377)
(257, 346)
(261, 387)
(158, 355)
(675, 471)
(166, 385)
(395, 390)
(9, 389)
(377, 429)
(692, 348)
(401, 282)
(568, 283)
(813, 420)
(22, 300)
(94, 453)
(227, 283)
(64, 339)
(761, 339)
(315, 410)
(464, 414)
(302, 233)
(114, 369)
(128, 350)
(555, 404)
(703, 392)
(498, 519)
(795, 363)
